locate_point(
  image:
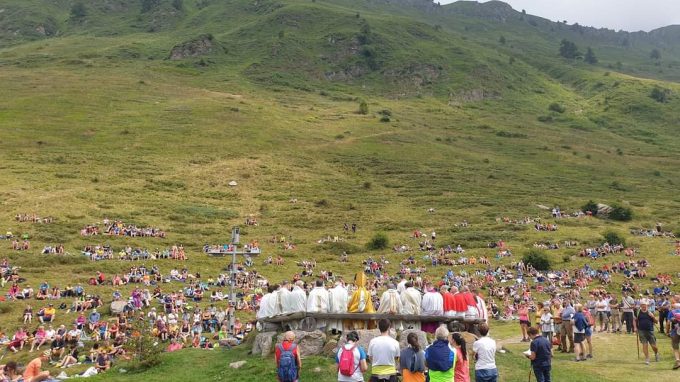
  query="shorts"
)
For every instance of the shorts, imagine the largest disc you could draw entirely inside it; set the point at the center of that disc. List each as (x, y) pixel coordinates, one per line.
(589, 331)
(579, 338)
(647, 337)
(675, 341)
(525, 322)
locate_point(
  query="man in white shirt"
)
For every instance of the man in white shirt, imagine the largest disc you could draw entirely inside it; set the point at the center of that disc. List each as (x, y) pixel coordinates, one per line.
(383, 352)
(318, 302)
(338, 304)
(484, 350)
(411, 301)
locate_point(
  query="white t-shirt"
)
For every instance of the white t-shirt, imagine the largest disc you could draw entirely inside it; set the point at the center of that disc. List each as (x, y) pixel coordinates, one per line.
(485, 348)
(359, 354)
(383, 350)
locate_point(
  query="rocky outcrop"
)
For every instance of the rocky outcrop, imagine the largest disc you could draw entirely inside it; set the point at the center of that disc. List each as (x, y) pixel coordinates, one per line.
(469, 340)
(263, 343)
(199, 46)
(330, 348)
(422, 338)
(309, 343)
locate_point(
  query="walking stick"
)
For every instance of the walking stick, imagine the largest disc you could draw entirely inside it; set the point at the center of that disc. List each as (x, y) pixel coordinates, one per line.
(529, 380)
(637, 339)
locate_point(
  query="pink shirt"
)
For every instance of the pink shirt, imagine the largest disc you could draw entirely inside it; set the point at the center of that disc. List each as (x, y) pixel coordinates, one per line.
(462, 370)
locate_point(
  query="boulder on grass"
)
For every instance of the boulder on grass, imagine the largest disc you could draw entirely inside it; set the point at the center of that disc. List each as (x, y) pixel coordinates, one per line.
(263, 343)
(308, 343)
(422, 338)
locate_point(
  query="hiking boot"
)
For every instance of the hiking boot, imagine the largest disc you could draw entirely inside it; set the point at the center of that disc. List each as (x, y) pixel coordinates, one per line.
(656, 357)
(589, 356)
(677, 365)
(647, 362)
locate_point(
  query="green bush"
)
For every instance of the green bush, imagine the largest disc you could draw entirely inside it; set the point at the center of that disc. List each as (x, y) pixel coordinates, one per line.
(557, 108)
(537, 259)
(620, 213)
(660, 94)
(613, 238)
(363, 108)
(590, 206)
(379, 241)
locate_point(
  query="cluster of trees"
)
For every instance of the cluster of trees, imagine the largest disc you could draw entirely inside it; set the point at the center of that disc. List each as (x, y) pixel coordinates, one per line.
(568, 49)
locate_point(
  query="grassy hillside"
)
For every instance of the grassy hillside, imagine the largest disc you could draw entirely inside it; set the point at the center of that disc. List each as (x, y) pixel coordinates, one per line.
(97, 121)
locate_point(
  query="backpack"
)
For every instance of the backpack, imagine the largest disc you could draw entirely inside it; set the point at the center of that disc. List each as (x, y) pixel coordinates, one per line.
(589, 318)
(675, 320)
(346, 363)
(287, 370)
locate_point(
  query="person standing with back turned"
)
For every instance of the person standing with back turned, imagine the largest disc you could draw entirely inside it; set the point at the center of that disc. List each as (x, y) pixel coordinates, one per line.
(288, 362)
(484, 350)
(383, 352)
(540, 356)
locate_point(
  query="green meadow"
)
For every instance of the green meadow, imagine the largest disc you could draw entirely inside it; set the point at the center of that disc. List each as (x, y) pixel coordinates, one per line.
(96, 121)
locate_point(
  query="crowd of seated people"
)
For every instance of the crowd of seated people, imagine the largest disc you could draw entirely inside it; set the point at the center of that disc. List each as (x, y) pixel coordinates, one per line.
(57, 249)
(33, 218)
(105, 252)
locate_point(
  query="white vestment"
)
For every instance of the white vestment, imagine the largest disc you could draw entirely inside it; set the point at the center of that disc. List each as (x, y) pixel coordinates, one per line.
(295, 302)
(318, 302)
(411, 300)
(283, 298)
(433, 304)
(390, 302)
(266, 306)
(401, 287)
(481, 306)
(338, 304)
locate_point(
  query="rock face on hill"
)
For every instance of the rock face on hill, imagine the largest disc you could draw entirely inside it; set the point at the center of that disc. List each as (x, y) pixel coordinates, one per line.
(202, 45)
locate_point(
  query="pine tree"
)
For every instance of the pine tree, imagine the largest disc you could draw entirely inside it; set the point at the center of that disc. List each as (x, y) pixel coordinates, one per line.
(590, 57)
(568, 49)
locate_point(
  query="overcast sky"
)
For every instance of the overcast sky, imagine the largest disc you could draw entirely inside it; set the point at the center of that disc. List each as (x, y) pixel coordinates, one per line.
(629, 15)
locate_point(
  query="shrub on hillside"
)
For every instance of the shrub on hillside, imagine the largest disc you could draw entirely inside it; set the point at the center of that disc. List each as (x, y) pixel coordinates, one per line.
(363, 108)
(557, 108)
(145, 348)
(537, 259)
(614, 238)
(590, 206)
(660, 94)
(379, 241)
(620, 213)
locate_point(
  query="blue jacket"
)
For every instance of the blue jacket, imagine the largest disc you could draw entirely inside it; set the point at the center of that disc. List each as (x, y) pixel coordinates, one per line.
(439, 356)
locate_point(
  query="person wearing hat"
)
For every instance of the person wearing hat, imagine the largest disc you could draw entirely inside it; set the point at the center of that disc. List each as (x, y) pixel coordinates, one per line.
(644, 324)
(34, 372)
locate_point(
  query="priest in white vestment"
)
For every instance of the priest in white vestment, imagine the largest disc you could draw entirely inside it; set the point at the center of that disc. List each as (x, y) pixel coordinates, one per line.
(338, 304)
(296, 302)
(390, 303)
(318, 302)
(411, 300)
(432, 305)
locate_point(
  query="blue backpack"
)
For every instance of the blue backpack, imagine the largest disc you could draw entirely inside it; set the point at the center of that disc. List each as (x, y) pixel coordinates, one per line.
(287, 370)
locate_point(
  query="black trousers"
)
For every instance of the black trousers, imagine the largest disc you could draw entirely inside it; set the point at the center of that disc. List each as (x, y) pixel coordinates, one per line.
(628, 318)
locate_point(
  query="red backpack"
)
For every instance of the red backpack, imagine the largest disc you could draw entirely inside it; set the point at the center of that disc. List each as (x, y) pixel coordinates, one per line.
(589, 318)
(346, 362)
